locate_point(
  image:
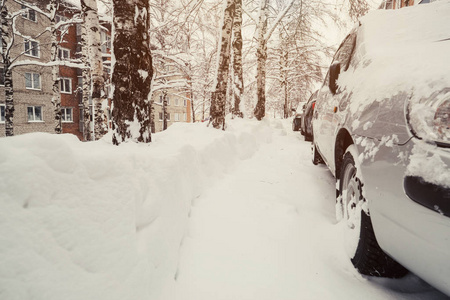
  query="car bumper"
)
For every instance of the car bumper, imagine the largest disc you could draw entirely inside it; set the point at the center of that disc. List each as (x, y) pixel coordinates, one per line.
(414, 234)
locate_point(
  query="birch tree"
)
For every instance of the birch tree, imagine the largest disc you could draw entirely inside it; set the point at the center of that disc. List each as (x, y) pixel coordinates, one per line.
(7, 39)
(218, 99)
(92, 49)
(132, 74)
(56, 96)
(264, 35)
(238, 78)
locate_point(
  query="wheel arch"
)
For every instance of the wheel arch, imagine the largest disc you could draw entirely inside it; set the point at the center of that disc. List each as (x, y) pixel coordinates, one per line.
(343, 140)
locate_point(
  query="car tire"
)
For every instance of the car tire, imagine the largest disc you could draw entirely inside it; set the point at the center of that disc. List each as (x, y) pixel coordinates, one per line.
(360, 241)
(308, 137)
(316, 158)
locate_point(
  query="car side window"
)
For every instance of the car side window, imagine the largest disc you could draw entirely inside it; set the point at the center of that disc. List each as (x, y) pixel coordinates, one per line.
(345, 51)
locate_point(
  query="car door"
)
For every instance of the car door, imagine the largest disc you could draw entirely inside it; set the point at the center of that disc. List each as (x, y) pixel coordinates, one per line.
(328, 116)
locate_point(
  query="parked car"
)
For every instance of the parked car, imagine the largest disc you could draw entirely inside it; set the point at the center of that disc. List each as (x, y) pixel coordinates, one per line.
(306, 128)
(382, 126)
(296, 122)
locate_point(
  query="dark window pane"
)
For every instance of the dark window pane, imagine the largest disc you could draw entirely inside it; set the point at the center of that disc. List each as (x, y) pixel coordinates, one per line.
(36, 81)
(2, 76)
(30, 114)
(68, 114)
(28, 83)
(38, 113)
(2, 113)
(27, 47)
(34, 49)
(32, 15)
(67, 85)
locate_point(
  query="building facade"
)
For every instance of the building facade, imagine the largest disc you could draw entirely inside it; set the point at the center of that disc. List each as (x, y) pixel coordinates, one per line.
(32, 84)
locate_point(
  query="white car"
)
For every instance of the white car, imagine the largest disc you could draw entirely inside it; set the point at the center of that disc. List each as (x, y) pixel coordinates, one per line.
(381, 125)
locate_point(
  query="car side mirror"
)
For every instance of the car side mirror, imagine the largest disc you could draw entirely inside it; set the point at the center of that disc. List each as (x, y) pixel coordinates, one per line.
(335, 70)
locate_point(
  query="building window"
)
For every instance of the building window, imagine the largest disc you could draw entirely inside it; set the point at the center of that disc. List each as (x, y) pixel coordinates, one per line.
(185, 117)
(28, 13)
(160, 116)
(168, 100)
(168, 116)
(34, 113)
(106, 42)
(160, 98)
(184, 102)
(177, 102)
(61, 19)
(2, 76)
(176, 117)
(2, 113)
(63, 54)
(66, 115)
(65, 85)
(33, 81)
(31, 48)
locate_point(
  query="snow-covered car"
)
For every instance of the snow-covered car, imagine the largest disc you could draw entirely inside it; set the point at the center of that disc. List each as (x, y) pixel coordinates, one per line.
(381, 125)
(296, 122)
(306, 128)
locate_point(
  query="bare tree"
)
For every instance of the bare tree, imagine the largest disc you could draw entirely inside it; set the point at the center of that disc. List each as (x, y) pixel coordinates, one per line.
(7, 40)
(264, 34)
(218, 99)
(238, 78)
(92, 50)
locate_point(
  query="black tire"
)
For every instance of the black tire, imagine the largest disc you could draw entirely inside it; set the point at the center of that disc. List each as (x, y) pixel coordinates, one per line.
(368, 258)
(308, 137)
(316, 158)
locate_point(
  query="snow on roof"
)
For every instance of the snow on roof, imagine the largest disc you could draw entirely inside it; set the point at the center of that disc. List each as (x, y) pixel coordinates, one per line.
(73, 3)
(404, 50)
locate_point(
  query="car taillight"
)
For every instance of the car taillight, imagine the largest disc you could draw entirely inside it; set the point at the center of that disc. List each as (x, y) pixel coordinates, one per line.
(430, 118)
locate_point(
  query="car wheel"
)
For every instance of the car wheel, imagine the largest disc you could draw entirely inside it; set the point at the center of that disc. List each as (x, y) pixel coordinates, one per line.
(308, 137)
(316, 158)
(359, 237)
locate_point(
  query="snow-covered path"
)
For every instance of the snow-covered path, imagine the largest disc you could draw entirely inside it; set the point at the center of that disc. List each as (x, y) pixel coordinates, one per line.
(267, 231)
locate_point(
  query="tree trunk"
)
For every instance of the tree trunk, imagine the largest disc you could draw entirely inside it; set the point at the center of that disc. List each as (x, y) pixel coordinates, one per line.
(87, 136)
(283, 74)
(132, 75)
(261, 56)
(218, 97)
(238, 80)
(94, 55)
(164, 109)
(6, 37)
(152, 116)
(56, 95)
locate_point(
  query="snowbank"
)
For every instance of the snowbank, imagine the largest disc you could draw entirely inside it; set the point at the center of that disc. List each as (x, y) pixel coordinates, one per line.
(96, 221)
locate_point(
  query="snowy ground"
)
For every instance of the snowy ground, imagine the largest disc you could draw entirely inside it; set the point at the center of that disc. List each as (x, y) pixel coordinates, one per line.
(198, 214)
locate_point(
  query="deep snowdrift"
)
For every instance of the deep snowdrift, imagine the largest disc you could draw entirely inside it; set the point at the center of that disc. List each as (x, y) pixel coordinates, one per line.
(95, 221)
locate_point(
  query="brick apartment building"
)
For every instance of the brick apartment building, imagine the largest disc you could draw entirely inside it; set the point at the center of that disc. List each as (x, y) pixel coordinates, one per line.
(33, 84)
